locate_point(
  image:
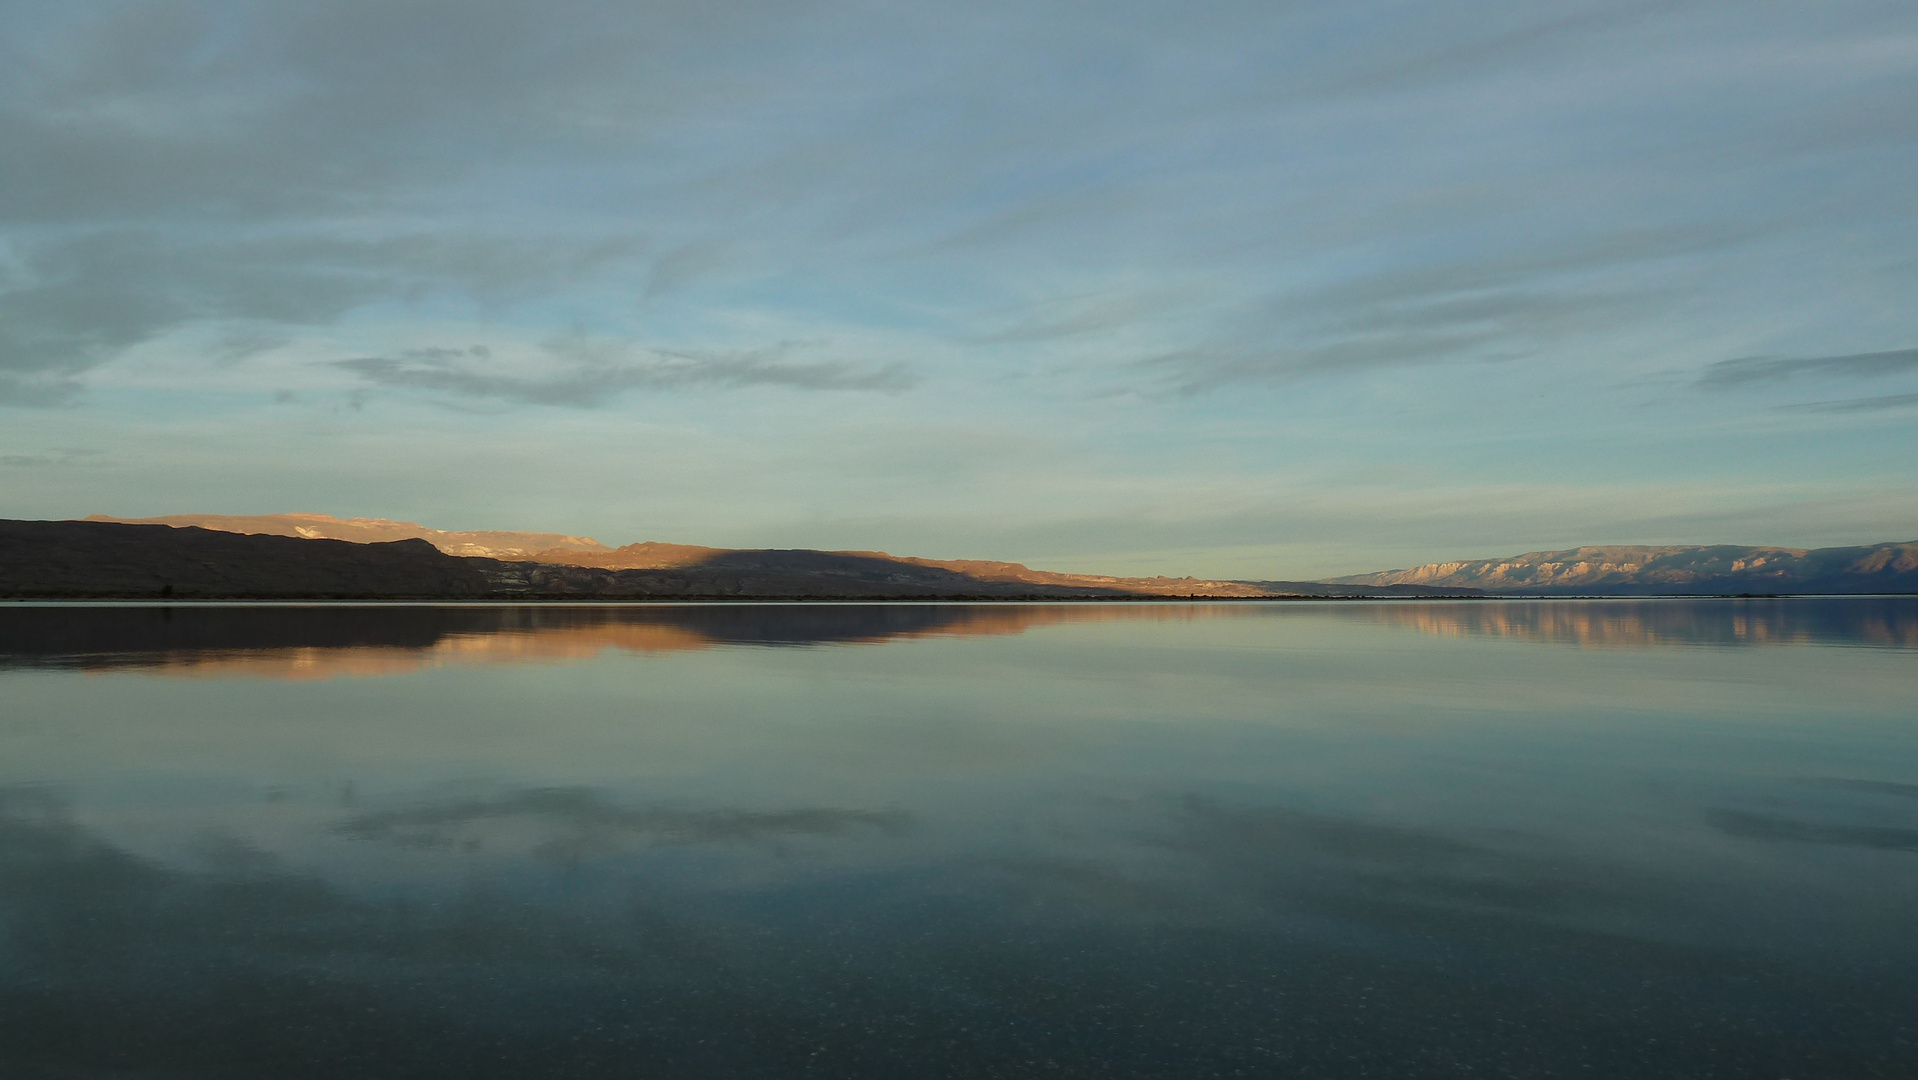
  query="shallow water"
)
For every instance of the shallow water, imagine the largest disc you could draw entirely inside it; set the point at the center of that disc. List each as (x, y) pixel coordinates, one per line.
(1639, 838)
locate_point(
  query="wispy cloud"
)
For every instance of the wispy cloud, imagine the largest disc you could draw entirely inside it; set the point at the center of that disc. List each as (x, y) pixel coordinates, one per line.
(1513, 306)
(585, 374)
(77, 300)
(1091, 315)
(55, 458)
(1752, 369)
(1857, 405)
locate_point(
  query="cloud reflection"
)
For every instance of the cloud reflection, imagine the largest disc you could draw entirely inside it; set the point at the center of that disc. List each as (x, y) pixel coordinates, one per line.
(1747, 825)
(569, 823)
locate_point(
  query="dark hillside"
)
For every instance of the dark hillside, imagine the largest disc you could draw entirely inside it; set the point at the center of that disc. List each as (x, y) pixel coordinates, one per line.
(82, 559)
(110, 560)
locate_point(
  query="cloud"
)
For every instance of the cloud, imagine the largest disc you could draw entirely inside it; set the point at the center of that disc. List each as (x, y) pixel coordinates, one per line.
(1858, 405)
(255, 112)
(1509, 305)
(684, 264)
(285, 166)
(1751, 369)
(56, 458)
(176, 163)
(1493, 45)
(1092, 315)
(582, 373)
(1449, 322)
(76, 301)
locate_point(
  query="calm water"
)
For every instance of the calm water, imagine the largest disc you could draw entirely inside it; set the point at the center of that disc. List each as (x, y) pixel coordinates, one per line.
(1660, 838)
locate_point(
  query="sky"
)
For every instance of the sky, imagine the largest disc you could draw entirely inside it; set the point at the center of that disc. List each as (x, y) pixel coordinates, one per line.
(1261, 290)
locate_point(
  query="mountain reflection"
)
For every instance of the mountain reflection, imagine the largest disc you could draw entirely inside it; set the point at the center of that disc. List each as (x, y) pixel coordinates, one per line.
(1878, 621)
(322, 642)
(330, 641)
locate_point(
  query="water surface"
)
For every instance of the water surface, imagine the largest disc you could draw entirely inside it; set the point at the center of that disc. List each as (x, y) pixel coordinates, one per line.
(1638, 838)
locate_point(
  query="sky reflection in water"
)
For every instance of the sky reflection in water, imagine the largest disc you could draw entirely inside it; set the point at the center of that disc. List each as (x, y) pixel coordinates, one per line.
(1636, 838)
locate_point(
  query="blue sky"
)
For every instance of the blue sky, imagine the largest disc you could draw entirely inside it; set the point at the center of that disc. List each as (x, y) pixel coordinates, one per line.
(1260, 290)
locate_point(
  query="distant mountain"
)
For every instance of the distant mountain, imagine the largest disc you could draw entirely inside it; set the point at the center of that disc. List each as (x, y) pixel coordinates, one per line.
(558, 565)
(106, 559)
(92, 559)
(1672, 570)
(490, 544)
(288, 555)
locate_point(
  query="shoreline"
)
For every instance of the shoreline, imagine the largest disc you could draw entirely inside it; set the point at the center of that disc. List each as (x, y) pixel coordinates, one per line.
(562, 600)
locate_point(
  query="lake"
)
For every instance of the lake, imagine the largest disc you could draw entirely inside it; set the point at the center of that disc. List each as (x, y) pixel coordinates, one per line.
(1653, 838)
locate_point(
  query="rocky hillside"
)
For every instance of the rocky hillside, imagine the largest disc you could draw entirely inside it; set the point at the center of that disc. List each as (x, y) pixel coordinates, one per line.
(197, 555)
(93, 559)
(689, 570)
(491, 544)
(101, 559)
(1673, 570)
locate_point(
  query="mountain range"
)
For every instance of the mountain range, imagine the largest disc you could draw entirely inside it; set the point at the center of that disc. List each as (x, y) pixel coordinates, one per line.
(1669, 570)
(112, 559)
(491, 544)
(316, 555)
(550, 563)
